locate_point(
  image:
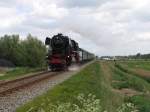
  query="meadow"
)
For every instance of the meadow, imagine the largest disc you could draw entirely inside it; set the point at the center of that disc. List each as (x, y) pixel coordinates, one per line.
(103, 86)
(135, 75)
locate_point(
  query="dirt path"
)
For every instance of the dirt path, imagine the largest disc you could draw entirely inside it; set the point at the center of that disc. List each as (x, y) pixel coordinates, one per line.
(142, 72)
(127, 92)
(106, 70)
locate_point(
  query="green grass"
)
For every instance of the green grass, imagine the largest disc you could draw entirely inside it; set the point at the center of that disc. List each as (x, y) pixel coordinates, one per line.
(142, 101)
(16, 72)
(127, 79)
(129, 70)
(136, 64)
(91, 79)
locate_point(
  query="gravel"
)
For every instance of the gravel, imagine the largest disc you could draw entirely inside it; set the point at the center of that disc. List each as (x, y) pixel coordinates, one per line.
(10, 102)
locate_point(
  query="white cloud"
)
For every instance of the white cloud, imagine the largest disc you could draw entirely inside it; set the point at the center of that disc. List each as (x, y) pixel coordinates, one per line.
(9, 17)
(112, 27)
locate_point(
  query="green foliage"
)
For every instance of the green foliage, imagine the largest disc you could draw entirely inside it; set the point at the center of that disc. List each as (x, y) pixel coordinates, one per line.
(9, 46)
(142, 102)
(85, 104)
(29, 52)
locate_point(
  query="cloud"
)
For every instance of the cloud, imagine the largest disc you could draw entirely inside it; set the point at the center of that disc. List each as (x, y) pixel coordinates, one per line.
(112, 27)
(83, 3)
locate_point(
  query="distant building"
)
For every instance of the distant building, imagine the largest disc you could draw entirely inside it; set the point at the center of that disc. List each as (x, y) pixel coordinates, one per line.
(108, 58)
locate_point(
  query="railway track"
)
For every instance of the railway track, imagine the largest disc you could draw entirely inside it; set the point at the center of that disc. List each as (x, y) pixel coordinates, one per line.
(13, 85)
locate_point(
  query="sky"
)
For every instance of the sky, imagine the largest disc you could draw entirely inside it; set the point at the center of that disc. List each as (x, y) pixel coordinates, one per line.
(103, 27)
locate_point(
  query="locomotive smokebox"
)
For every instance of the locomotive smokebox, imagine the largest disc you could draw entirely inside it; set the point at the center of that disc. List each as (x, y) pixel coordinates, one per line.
(58, 42)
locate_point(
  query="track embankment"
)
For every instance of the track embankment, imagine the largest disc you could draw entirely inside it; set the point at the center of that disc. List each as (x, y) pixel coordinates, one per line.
(13, 85)
(17, 92)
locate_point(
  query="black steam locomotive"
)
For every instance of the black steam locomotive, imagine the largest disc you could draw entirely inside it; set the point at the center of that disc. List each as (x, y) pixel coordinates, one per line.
(62, 51)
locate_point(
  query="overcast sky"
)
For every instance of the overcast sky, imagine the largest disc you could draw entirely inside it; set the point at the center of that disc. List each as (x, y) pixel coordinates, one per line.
(104, 27)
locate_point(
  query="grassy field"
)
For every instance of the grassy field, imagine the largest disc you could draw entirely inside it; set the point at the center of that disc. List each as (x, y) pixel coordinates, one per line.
(137, 64)
(139, 68)
(113, 83)
(128, 77)
(16, 72)
(93, 79)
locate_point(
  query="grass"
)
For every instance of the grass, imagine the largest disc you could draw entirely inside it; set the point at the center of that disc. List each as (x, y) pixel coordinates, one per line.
(142, 101)
(16, 72)
(129, 70)
(99, 79)
(92, 79)
(127, 79)
(136, 64)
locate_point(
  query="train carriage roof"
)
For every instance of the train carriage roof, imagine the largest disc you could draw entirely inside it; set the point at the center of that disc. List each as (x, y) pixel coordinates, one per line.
(80, 49)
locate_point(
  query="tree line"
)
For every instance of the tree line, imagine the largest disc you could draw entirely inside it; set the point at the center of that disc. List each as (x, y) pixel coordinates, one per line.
(140, 56)
(137, 56)
(29, 52)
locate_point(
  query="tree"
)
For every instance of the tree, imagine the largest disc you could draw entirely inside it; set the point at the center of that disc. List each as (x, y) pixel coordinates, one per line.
(34, 51)
(29, 52)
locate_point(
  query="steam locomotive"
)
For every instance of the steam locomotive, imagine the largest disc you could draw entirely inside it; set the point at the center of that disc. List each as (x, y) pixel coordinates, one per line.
(62, 51)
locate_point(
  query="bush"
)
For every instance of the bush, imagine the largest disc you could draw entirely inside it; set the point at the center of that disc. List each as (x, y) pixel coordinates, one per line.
(29, 52)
